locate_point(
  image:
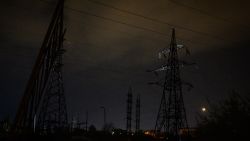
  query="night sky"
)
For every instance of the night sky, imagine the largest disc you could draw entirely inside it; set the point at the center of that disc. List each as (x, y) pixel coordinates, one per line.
(111, 43)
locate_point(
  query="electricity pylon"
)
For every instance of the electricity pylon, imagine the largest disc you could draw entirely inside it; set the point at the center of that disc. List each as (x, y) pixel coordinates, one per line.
(129, 111)
(171, 118)
(137, 114)
(43, 105)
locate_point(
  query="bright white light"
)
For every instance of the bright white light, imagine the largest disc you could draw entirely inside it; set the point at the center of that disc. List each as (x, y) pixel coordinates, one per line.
(203, 109)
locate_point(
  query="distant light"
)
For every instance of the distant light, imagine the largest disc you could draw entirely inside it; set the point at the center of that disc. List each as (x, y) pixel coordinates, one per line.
(203, 109)
(180, 46)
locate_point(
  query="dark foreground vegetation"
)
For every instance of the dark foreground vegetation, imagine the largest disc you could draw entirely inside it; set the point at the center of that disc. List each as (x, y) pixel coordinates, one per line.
(98, 136)
(228, 120)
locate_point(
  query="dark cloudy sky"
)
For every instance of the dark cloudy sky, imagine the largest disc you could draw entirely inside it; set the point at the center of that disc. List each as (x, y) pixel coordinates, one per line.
(111, 43)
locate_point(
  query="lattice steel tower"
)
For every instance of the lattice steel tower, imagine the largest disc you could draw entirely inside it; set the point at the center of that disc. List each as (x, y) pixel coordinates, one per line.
(43, 107)
(171, 115)
(137, 114)
(129, 111)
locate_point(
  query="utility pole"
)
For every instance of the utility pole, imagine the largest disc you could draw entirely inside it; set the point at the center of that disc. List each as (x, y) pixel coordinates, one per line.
(78, 122)
(86, 122)
(104, 114)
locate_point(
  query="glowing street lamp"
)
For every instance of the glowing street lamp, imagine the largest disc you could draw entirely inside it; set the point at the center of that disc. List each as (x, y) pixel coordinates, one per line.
(203, 109)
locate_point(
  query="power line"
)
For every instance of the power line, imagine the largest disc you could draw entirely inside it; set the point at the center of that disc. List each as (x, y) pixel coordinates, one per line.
(110, 19)
(124, 23)
(128, 24)
(206, 13)
(116, 21)
(155, 20)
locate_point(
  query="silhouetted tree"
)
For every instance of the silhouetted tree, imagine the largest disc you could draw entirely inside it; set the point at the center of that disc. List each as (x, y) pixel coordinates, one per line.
(108, 127)
(92, 129)
(5, 125)
(229, 120)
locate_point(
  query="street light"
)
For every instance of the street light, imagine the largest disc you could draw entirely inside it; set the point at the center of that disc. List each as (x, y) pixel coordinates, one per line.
(104, 114)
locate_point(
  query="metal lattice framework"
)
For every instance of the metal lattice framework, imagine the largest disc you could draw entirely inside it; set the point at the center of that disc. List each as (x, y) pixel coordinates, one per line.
(129, 111)
(171, 116)
(43, 106)
(137, 114)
